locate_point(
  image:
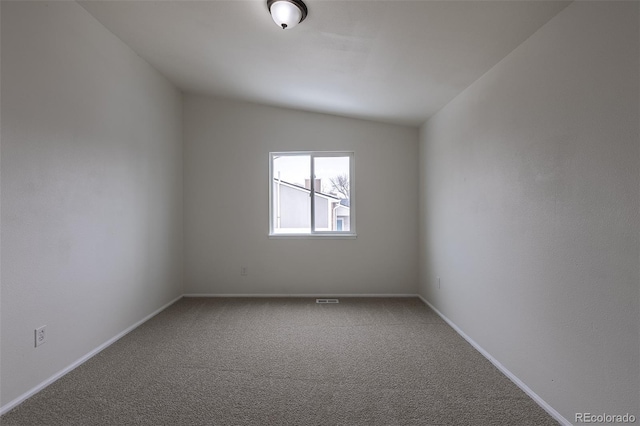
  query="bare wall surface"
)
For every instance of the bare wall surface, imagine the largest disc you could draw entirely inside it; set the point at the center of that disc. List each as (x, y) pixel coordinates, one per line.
(529, 202)
(91, 189)
(227, 147)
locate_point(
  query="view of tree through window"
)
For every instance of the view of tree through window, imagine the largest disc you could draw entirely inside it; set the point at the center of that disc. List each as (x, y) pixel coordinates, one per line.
(295, 195)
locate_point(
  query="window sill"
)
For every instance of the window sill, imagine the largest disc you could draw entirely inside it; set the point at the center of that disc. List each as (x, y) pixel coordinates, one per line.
(312, 236)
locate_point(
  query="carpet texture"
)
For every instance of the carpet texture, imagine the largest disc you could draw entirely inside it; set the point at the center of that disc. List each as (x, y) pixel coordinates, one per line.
(287, 361)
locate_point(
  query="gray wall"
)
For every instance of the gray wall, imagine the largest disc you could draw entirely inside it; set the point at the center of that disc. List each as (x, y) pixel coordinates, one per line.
(91, 189)
(227, 147)
(529, 210)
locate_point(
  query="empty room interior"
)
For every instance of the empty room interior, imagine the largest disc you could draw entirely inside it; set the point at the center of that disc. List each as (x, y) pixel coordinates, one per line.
(329, 212)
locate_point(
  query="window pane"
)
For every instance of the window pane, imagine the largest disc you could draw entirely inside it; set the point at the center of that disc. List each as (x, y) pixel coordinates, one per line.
(333, 191)
(291, 194)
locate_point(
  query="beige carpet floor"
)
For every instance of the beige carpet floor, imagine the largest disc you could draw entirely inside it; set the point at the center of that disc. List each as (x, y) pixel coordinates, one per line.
(364, 361)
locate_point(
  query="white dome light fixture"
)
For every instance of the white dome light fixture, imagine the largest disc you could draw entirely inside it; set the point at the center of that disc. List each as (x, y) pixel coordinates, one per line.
(287, 13)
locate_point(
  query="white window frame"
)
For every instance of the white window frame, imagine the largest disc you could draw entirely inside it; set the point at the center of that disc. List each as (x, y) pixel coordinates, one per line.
(351, 234)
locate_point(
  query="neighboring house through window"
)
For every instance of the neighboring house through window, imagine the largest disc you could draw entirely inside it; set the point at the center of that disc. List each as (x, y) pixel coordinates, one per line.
(294, 195)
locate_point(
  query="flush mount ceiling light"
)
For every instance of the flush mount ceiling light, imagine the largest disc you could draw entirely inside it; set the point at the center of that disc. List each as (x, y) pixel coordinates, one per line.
(287, 13)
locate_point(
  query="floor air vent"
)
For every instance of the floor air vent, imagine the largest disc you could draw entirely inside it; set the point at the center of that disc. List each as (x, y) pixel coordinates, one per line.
(327, 301)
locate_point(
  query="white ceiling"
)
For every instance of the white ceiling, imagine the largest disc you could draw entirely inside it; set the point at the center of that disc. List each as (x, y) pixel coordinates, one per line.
(393, 61)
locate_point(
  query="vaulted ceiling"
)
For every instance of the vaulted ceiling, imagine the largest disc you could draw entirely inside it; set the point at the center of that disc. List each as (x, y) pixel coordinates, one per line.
(394, 61)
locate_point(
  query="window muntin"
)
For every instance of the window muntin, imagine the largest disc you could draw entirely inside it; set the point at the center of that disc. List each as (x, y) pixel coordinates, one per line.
(294, 195)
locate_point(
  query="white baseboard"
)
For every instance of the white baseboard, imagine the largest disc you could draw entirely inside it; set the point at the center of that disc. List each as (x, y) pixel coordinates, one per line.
(311, 295)
(82, 360)
(541, 402)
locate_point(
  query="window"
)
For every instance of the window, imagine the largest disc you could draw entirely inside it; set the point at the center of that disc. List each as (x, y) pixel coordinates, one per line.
(318, 206)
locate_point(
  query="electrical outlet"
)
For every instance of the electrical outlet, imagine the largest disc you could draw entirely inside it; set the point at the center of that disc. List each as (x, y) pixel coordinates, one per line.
(244, 270)
(41, 335)
(438, 283)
